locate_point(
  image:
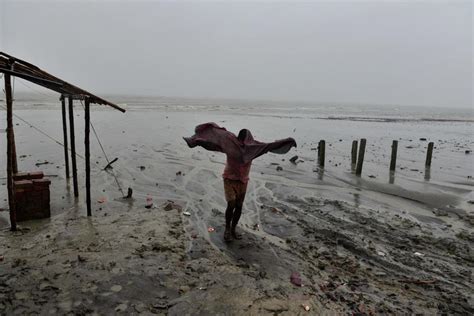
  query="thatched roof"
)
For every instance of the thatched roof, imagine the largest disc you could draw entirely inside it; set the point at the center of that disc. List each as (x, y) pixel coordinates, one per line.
(22, 69)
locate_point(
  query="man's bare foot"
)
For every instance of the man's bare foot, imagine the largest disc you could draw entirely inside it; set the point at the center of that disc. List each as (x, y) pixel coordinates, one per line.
(227, 236)
(235, 235)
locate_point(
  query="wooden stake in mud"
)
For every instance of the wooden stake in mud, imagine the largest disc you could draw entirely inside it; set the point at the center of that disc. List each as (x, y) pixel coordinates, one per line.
(73, 146)
(429, 154)
(393, 159)
(354, 152)
(88, 155)
(360, 159)
(10, 144)
(321, 152)
(66, 154)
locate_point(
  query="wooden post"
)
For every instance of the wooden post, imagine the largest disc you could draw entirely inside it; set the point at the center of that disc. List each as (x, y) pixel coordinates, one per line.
(429, 153)
(66, 154)
(321, 152)
(73, 146)
(88, 156)
(10, 144)
(14, 160)
(354, 152)
(393, 159)
(360, 159)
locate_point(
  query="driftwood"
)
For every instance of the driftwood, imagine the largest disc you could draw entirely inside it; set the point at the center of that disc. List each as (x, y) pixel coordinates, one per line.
(109, 165)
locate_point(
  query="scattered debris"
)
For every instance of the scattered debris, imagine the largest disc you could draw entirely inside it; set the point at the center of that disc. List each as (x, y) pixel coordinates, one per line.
(293, 159)
(381, 253)
(295, 278)
(149, 202)
(129, 193)
(279, 168)
(418, 254)
(372, 176)
(179, 173)
(81, 258)
(467, 152)
(142, 168)
(109, 165)
(211, 229)
(423, 139)
(41, 163)
(186, 213)
(306, 307)
(102, 199)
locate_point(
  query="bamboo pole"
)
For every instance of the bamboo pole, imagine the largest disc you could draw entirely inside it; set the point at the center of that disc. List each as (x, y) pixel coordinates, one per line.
(360, 159)
(73, 147)
(393, 159)
(10, 144)
(66, 154)
(354, 152)
(88, 156)
(429, 154)
(322, 152)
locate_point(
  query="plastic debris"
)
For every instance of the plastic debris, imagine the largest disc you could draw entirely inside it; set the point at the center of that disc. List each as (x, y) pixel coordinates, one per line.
(1, 258)
(380, 253)
(295, 278)
(293, 159)
(306, 307)
(186, 213)
(210, 229)
(149, 201)
(418, 254)
(102, 199)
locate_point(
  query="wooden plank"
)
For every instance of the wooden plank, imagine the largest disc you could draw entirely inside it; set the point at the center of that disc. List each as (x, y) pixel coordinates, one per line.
(73, 147)
(10, 142)
(88, 156)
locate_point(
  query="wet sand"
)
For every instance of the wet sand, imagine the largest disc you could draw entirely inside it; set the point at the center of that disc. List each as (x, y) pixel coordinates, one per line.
(376, 244)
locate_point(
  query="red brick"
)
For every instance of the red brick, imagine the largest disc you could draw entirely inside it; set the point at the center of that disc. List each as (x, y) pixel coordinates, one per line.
(23, 184)
(28, 175)
(41, 182)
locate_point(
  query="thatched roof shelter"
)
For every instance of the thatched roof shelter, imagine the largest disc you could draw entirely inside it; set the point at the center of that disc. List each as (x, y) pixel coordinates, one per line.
(13, 66)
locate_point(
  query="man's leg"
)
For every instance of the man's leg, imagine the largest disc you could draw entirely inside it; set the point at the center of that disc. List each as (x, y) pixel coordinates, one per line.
(229, 212)
(236, 216)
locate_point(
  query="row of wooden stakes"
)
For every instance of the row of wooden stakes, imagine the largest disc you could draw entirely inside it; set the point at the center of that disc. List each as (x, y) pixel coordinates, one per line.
(357, 160)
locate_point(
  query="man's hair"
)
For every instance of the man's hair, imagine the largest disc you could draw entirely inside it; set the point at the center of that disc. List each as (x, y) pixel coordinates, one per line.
(242, 134)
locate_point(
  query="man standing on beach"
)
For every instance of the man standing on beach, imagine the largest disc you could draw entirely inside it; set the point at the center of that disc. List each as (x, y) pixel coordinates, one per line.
(240, 151)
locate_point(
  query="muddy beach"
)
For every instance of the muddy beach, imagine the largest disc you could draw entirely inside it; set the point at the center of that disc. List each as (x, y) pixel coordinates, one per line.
(378, 244)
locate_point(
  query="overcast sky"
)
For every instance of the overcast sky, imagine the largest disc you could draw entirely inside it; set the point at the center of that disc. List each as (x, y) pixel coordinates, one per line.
(404, 53)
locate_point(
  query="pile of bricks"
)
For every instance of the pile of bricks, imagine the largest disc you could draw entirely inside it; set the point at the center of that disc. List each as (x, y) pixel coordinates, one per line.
(31, 191)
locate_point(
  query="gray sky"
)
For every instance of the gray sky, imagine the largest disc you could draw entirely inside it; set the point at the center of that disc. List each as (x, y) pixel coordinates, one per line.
(407, 53)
